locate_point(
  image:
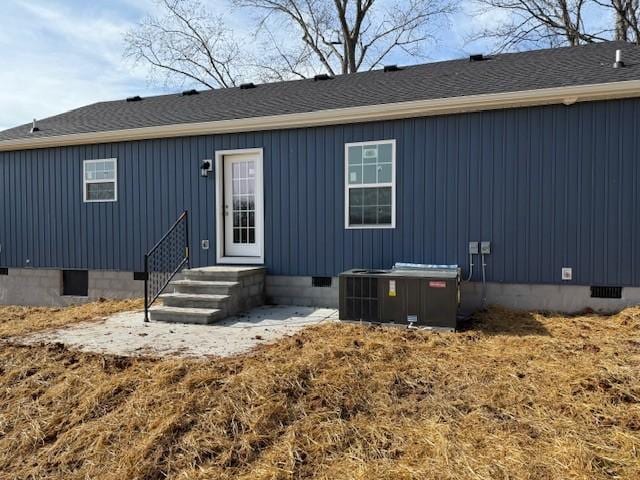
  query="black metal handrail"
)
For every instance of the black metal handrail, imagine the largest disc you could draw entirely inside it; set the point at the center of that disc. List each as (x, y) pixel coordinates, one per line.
(165, 260)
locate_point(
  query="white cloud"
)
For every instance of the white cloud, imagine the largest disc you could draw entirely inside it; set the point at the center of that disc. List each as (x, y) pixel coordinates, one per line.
(55, 57)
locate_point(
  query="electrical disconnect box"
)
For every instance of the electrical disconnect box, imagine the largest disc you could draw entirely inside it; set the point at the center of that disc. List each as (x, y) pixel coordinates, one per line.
(485, 248)
(474, 248)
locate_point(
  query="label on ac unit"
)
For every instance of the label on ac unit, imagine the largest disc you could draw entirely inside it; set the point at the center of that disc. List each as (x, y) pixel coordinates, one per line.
(437, 284)
(392, 288)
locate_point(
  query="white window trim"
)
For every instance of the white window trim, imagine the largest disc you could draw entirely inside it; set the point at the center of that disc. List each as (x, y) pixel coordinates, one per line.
(114, 181)
(348, 187)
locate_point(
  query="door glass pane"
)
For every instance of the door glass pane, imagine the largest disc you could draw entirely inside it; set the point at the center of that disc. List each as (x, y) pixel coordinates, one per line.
(243, 196)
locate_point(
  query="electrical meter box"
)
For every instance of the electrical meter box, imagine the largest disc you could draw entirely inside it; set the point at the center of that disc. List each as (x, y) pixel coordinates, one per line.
(427, 296)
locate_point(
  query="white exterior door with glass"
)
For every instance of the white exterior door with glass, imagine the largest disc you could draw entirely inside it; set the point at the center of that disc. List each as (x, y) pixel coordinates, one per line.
(242, 206)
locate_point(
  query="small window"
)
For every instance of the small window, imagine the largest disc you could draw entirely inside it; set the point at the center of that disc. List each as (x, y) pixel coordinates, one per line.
(100, 180)
(75, 282)
(370, 184)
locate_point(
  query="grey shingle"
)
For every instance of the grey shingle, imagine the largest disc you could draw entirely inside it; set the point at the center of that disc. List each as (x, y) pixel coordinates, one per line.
(584, 65)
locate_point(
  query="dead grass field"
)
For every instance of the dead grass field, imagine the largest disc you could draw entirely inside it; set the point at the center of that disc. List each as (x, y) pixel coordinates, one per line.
(518, 396)
(15, 320)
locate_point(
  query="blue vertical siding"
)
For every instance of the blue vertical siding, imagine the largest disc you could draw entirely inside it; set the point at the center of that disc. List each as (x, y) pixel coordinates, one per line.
(548, 186)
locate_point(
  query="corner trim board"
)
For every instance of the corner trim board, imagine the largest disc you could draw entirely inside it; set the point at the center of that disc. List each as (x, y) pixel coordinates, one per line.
(388, 111)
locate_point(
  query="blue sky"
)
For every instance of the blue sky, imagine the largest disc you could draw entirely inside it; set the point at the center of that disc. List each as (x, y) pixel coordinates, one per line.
(56, 55)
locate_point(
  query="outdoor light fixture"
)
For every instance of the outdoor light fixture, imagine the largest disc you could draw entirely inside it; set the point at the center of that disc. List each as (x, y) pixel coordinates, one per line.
(205, 167)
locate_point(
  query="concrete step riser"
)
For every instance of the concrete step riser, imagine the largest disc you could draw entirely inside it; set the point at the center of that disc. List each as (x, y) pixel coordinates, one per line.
(194, 303)
(159, 316)
(212, 276)
(203, 289)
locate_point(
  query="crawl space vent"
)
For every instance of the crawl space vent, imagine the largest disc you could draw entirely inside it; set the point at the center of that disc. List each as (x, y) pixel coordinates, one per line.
(606, 292)
(75, 282)
(139, 276)
(4, 271)
(321, 281)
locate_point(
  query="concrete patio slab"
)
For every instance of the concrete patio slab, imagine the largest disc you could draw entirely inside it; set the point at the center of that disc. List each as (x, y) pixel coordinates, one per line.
(127, 334)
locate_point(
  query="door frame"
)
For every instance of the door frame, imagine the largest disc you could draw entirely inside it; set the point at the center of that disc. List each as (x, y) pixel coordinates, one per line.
(221, 258)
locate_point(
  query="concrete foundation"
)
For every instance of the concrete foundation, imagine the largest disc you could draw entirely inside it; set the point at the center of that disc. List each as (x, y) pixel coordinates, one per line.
(43, 287)
(556, 298)
(287, 290)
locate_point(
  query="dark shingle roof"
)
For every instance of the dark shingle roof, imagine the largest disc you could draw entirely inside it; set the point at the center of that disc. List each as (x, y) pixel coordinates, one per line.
(584, 65)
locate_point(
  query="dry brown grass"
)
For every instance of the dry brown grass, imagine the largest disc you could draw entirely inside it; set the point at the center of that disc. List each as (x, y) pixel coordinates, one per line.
(15, 320)
(518, 396)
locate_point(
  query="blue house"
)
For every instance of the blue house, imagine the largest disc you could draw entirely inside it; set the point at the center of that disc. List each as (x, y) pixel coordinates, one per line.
(537, 153)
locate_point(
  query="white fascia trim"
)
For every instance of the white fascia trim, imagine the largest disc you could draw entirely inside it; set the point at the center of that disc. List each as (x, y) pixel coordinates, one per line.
(388, 111)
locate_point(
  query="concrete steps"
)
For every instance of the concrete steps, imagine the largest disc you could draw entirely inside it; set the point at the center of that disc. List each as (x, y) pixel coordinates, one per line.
(209, 294)
(185, 315)
(205, 287)
(194, 300)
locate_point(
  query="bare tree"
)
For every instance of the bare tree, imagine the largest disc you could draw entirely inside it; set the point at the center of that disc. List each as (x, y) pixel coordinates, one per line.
(186, 44)
(626, 14)
(540, 22)
(346, 36)
(534, 23)
(294, 38)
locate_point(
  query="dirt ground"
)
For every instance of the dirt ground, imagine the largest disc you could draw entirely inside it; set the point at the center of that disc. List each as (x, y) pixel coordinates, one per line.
(516, 396)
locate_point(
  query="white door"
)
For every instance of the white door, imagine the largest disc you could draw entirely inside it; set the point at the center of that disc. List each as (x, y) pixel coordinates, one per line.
(242, 206)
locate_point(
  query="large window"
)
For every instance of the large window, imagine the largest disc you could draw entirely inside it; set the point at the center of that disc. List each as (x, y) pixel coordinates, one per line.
(100, 180)
(370, 184)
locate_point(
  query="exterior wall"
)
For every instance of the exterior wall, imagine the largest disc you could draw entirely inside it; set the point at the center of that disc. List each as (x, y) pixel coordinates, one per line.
(43, 287)
(550, 187)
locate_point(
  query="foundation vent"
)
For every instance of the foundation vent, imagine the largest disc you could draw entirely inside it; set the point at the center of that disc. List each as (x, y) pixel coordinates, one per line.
(4, 271)
(75, 283)
(321, 281)
(606, 292)
(139, 276)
